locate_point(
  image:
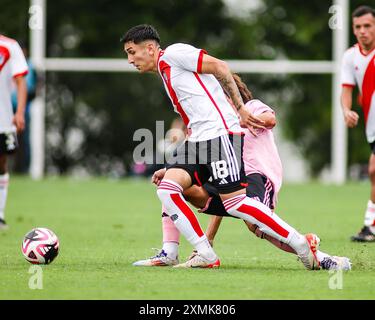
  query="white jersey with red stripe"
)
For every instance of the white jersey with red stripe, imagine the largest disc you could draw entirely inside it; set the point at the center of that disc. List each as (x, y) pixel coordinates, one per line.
(12, 65)
(359, 69)
(197, 97)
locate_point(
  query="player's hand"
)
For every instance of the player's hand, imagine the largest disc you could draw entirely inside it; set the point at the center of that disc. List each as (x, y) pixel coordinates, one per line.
(158, 176)
(351, 118)
(19, 121)
(248, 120)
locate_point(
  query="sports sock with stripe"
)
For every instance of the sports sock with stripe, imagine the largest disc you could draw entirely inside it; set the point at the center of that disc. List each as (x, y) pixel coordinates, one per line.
(268, 222)
(4, 182)
(170, 194)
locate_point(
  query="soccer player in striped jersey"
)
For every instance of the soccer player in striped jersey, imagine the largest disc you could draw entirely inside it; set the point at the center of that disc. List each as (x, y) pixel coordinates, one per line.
(13, 68)
(195, 83)
(358, 69)
(263, 170)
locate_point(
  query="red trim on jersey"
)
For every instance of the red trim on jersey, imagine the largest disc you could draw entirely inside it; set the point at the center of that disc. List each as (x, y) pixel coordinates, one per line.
(21, 74)
(165, 72)
(197, 178)
(159, 56)
(176, 198)
(348, 85)
(368, 87)
(361, 50)
(4, 53)
(264, 218)
(212, 100)
(200, 58)
(236, 133)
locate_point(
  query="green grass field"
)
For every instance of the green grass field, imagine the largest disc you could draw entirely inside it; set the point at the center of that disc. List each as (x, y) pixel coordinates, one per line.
(105, 225)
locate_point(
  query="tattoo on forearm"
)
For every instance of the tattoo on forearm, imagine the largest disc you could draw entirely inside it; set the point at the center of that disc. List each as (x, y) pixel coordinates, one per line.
(230, 87)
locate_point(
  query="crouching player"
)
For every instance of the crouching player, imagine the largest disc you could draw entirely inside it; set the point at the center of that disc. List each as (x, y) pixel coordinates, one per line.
(264, 176)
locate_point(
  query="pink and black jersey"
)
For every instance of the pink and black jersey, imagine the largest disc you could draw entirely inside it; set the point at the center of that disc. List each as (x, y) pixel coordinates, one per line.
(197, 97)
(260, 153)
(12, 65)
(359, 69)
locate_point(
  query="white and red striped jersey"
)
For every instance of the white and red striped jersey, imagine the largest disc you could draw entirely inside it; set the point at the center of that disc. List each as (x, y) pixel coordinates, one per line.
(359, 69)
(12, 65)
(197, 97)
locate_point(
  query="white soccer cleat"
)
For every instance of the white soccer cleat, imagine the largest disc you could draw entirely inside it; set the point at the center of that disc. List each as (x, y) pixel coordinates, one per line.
(309, 259)
(336, 263)
(161, 259)
(193, 254)
(198, 261)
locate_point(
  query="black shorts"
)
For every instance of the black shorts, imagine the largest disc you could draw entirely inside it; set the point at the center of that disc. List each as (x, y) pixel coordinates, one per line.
(8, 143)
(372, 147)
(219, 158)
(259, 188)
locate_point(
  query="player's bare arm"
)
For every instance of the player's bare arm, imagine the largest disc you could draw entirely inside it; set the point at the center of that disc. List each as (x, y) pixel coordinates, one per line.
(223, 74)
(269, 119)
(212, 228)
(19, 116)
(351, 117)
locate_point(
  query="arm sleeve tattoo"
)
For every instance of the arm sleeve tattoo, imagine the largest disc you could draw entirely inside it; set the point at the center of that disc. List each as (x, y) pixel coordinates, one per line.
(231, 89)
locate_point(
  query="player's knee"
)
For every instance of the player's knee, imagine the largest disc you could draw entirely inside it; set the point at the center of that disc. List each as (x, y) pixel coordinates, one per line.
(197, 196)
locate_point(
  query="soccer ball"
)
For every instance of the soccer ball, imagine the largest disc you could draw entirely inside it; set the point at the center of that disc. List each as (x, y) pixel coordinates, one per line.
(40, 246)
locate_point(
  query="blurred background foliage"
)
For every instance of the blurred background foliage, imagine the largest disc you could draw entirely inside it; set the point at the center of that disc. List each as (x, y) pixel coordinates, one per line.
(91, 117)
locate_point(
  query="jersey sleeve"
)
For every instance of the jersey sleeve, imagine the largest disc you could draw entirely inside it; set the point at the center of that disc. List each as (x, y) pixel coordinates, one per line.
(17, 61)
(186, 57)
(347, 69)
(257, 107)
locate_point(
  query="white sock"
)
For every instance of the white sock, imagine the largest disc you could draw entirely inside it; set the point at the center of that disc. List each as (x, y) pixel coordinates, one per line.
(4, 182)
(299, 243)
(170, 194)
(204, 249)
(370, 216)
(268, 222)
(321, 255)
(171, 249)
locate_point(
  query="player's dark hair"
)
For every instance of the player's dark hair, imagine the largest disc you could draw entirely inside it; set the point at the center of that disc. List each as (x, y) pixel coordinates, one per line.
(244, 90)
(140, 33)
(362, 10)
